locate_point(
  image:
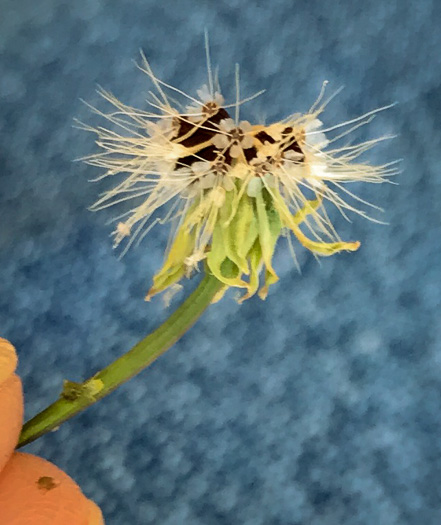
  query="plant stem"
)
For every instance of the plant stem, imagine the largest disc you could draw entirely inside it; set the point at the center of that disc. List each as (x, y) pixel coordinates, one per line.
(76, 397)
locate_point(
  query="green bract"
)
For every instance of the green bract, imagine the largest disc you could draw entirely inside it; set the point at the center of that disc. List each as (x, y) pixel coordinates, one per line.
(245, 231)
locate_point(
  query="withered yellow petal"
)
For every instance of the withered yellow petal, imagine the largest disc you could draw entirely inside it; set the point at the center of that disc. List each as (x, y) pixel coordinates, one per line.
(217, 257)
(293, 221)
(269, 226)
(240, 233)
(255, 258)
(173, 268)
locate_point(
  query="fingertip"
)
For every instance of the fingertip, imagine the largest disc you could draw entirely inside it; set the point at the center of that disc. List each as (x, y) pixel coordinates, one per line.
(95, 515)
(11, 416)
(8, 359)
(35, 491)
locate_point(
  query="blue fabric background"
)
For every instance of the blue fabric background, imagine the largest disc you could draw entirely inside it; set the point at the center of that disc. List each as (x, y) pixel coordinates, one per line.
(321, 405)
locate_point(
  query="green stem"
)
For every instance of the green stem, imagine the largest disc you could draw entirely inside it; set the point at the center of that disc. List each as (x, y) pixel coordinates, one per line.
(78, 396)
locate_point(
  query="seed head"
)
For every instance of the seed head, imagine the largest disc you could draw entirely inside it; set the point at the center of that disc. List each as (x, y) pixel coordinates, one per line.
(230, 188)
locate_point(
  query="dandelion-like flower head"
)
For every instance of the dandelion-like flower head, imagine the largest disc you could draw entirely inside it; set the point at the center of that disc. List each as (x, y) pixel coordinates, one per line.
(231, 188)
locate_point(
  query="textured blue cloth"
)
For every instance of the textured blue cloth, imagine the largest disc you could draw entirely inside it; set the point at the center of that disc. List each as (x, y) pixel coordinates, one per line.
(321, 405)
